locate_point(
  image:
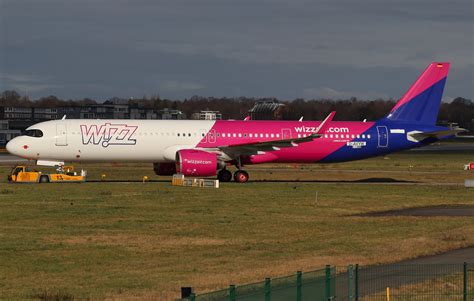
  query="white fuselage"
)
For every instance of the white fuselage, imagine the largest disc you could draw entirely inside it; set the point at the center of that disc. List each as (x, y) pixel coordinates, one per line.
(110, 140)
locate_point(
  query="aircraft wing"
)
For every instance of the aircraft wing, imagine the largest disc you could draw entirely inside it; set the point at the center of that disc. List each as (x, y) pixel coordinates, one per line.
(254, 148)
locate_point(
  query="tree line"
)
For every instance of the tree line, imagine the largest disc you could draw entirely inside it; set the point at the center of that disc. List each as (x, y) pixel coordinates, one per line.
(460, 110)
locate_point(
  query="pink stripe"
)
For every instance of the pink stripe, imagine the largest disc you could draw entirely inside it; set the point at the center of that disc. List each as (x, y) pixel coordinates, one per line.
(304, 152)
(433, 74)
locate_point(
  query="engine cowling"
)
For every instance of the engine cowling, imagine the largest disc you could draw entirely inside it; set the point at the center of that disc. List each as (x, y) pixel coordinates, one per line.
(191, 162)
(164, 169)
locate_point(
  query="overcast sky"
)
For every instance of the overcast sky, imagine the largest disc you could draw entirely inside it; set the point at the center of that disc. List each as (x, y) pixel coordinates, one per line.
(286, 49)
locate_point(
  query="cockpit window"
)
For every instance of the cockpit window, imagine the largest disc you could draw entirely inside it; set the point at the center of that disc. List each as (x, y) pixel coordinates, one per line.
(34, 133)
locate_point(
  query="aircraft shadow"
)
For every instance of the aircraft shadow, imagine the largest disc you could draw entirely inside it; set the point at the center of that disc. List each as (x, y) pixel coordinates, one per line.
(368, 180)
(361, 181)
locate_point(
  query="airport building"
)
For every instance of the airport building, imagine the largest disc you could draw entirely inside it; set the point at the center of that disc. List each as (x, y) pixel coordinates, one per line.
(207, 115)
(7, 134)
(267, 110)
(15, 119)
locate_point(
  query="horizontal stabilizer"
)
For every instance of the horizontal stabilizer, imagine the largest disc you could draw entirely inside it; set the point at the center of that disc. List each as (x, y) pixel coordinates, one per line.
(417, 136)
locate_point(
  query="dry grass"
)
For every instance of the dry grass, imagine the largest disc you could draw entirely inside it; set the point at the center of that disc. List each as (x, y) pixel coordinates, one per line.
(130, 240)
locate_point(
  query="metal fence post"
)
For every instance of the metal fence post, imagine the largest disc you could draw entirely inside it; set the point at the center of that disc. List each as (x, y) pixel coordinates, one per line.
(299, 284)
(350, 278)
(465, 282)
(327, 294)
(268, 289)
(232, 292)
(357, 282)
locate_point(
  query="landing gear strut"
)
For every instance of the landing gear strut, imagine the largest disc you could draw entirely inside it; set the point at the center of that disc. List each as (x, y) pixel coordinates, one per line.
(241, 176)
(224, 175)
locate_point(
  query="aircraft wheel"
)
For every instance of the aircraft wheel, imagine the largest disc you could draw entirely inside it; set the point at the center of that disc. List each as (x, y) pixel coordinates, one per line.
(241, 176)
(224, 175)
(44, 179)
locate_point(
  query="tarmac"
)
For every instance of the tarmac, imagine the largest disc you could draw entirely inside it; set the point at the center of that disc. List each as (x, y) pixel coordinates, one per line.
(440, 210)
(7, 158)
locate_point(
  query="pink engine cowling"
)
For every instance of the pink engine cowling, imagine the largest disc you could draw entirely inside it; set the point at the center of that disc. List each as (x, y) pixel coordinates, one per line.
(191, 162)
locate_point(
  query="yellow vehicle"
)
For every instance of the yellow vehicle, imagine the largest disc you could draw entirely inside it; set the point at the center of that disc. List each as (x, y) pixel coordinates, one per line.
(24, 174)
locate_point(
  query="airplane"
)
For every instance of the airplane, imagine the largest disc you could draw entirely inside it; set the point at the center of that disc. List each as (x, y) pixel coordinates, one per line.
(206, 148)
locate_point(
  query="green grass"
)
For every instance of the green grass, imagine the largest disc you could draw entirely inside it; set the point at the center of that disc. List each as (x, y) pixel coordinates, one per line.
(133, 239)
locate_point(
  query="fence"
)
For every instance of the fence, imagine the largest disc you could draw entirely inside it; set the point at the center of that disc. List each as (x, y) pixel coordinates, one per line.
(410, 282)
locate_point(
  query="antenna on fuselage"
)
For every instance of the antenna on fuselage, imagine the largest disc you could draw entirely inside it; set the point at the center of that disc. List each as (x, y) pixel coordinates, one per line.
(301, 119)
(64, 117)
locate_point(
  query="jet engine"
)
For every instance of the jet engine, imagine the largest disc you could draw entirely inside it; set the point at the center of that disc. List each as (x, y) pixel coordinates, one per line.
(164, 169)
(191, 162)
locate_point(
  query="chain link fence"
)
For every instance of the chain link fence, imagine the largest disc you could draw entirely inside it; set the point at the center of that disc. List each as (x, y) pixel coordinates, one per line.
(410, 282)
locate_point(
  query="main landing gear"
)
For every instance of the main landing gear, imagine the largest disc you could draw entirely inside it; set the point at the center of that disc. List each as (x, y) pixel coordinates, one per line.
(240, 176)
(224, 175)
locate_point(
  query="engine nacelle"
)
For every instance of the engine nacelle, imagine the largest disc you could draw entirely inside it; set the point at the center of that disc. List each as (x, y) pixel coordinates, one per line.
(164, 169)
(197, 163)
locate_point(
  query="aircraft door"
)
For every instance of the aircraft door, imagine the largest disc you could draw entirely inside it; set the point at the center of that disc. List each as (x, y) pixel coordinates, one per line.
(383, 136)
(61, 134)
(211, 137)
(285, 134)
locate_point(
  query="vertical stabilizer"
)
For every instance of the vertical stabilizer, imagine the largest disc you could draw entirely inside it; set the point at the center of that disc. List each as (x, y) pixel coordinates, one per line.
(420, 104)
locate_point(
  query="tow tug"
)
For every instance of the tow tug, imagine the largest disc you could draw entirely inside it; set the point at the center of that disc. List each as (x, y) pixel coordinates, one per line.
(24, 174)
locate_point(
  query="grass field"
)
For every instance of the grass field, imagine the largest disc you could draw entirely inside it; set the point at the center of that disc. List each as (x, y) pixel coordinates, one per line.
(127, 239)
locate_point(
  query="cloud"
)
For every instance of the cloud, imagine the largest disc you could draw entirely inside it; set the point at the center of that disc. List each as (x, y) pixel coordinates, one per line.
(26, 83)
(232, 48)
(330, 93)
(176, 86)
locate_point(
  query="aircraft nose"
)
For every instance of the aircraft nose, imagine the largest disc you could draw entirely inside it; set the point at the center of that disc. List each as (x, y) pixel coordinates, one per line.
(14, 147)
(11, 146)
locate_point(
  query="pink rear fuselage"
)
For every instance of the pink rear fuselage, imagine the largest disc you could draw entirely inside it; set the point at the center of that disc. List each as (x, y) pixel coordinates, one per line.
(336, 136)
